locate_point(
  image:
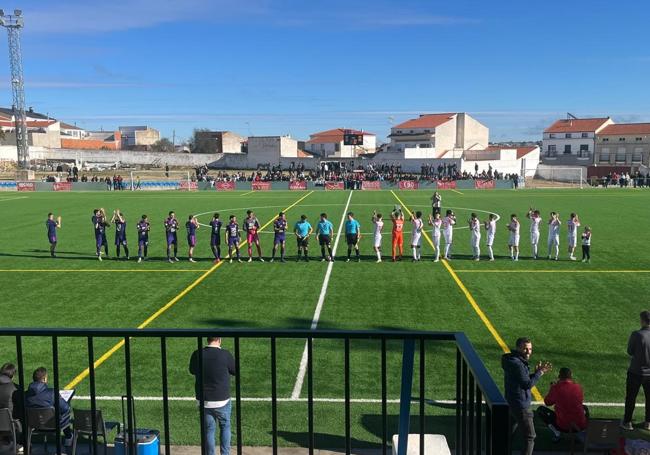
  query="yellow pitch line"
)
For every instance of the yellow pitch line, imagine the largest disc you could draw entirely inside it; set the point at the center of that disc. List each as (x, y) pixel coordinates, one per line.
(84, 374)
(456, 191)
(550, 271)
(468, 295)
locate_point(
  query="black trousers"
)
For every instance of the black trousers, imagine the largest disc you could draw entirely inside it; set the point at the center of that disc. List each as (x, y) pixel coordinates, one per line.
(633, 384)
(524, 420)
(586, 251)
(549, 417)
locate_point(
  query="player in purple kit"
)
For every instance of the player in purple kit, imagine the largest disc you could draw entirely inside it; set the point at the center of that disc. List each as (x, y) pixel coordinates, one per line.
(215, 237)
(99, 224)
(52, 225)
(252, 227)
(192, 225)
(171, 228)
(232, 237)
(143, 227)
(120, 233)
(279, 230)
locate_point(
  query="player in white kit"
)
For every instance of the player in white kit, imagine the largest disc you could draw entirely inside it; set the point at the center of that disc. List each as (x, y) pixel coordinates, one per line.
(448, 232)
(572, 227)
(475, 236)
(379, 225)
(416, 235)
(554, 224)
(513, 241)
(535, 219)
(491, 228)
(436, 222)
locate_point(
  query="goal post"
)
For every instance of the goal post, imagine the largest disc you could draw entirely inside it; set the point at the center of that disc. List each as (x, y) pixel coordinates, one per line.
(161, 180)
(557, 177)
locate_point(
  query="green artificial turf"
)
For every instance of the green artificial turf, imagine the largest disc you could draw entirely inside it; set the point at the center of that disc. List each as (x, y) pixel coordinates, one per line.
(578, 315)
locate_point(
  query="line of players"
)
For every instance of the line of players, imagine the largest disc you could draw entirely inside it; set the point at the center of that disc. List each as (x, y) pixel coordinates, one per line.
(442, 227)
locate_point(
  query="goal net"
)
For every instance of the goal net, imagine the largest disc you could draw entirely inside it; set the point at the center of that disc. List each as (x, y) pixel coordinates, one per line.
(556, 177)
(161, 180)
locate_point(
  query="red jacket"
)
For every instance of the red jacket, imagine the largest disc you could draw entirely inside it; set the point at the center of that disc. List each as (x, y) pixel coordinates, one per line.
(567, 398)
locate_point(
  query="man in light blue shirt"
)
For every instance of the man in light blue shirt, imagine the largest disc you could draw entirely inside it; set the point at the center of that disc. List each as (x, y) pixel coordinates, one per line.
(352, 236)
(303, 230)
(324, 233)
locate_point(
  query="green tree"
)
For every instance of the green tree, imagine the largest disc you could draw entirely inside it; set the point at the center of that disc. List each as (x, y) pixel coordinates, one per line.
(163, 145)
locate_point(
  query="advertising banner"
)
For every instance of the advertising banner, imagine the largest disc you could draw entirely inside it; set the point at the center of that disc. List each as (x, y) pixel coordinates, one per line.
(374, 185)
(484, 184)
(334, 186)
(408, 185)
(188, 186)
(62, 186)
(8, 186)
(224, 186)
(299, 185)
(446, 185)
(261, 186)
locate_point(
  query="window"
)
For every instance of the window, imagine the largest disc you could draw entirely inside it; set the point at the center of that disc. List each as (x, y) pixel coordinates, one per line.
(425, 145)
(605, 139)
(337, 147)
(551, 135)
(585, 135)
(639, 139)
(604, 155)
(637, 156)
(427, 131)
(567, 135)
(552, 151)
(621, 139)
(584, 151)
(567, 149)
(399, 131)
(620, 155)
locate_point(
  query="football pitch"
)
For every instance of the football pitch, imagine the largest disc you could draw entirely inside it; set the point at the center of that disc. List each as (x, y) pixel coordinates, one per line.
(578, 315)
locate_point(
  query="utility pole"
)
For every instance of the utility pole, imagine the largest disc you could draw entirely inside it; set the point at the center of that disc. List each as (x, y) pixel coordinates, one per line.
(14, 24)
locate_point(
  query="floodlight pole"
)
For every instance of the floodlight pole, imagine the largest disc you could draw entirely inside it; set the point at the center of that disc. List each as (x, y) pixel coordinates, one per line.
(14, 23)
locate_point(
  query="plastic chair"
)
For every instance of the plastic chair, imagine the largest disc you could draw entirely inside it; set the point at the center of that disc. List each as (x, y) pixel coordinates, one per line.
(602, 435)
(40, 421)
(83, 426)
(7, 429)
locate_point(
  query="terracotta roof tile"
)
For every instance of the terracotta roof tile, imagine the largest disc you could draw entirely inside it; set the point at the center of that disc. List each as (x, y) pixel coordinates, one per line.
(582, 125)
(333, 136)
(625, 128)
(426, 121)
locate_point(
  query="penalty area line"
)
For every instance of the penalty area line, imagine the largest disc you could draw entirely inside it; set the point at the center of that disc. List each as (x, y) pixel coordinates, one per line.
(300, 377)
(84, 374)
(468, 295)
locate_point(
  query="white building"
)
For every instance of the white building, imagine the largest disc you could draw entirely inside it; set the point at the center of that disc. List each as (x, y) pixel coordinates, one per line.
(73, 131)
(503, 159)
(433, 135)
(329, 144)
(572, 141)
(138, 136)
(269, 149)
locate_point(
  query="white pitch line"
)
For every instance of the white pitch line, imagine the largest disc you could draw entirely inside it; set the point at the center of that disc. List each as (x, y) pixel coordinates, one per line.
(13, 198)
(300, 378)
(322, 400)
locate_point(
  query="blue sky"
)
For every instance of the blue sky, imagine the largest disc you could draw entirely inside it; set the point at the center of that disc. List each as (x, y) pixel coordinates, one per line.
(267, 67)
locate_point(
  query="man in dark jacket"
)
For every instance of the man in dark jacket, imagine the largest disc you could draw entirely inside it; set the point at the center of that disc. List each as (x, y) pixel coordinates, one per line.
(638, 374)
(518, 382)
(10, 397)
(218, 366)
(39, 395)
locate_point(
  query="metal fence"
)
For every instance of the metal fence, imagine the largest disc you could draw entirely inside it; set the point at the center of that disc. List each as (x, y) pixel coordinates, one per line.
(481, 419)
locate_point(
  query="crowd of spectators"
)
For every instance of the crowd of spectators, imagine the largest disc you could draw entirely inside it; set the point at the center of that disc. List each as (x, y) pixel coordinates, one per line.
(626, 180)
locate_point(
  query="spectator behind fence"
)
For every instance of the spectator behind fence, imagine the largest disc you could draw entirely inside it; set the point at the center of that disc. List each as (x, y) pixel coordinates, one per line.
(570, 413)
(39, 395)
(638, 374)
(10, 397)
(218, 366)
(518, 383)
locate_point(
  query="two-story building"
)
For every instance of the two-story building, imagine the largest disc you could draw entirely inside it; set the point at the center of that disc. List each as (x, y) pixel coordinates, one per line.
(330, 144)
(222, 141)
(572, 141)
(433, 135)
(623, 144)
(138, 137)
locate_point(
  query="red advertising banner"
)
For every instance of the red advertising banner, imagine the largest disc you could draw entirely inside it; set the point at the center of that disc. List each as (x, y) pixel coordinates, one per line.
(299, 185)
(262, 186)
(62, 186)
(374, 185)
(408, 185)
(334, 186)
(446, 185)
(188, 186)
(225, 186)
(484, 184)
(25, 186)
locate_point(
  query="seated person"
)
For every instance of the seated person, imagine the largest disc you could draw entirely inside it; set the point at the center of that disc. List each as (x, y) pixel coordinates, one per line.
(39, 395)
(570, 414)
(10, 397)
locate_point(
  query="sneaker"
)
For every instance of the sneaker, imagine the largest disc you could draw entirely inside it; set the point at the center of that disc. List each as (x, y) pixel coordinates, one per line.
(216, 261)
(261, 259)
(646, 425)
(322, 259)
(477, 259)
(192, 260)
(272, 260)
(170, 260)
(230, 260)
(584, 260)
(139, 260)
(128, 258)
(556, 258)
(250, 260)
(573, 258)
(20, 449)
(176, 259)
(436, 260)
(491, 259)
(626, 426)
(347, 260)
(556, 437)
(100, 258)
(358, 259)
(239, 260)
(378, 261)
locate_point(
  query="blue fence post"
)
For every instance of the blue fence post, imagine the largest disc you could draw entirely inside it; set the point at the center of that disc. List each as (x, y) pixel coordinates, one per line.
(408, 358)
